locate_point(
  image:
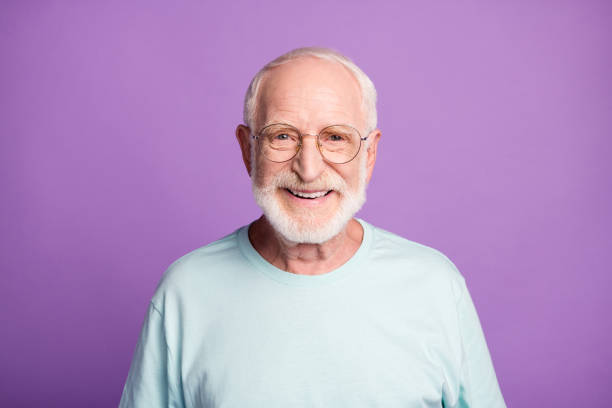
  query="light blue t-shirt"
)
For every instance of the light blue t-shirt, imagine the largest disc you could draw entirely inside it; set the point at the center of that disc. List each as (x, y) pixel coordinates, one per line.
(393, 327)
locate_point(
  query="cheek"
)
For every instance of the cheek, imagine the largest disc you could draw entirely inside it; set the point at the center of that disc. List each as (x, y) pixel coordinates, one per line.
(261, 178)
(350, 176)
(265, 170)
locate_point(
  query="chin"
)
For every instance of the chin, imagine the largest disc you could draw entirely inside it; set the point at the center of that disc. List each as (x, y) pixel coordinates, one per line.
(302, 231)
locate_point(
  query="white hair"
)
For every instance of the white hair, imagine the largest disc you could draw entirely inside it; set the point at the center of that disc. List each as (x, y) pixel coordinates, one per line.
(368, 91)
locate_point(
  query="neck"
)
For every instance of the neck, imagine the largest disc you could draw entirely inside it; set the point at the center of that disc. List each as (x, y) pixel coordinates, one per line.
(305, 259)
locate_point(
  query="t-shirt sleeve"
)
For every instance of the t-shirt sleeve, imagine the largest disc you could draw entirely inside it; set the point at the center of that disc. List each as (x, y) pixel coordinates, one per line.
(478, 387)
(150, 382)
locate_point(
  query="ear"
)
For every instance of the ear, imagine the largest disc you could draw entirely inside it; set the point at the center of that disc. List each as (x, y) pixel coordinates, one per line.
(243, 134)
(373, 139)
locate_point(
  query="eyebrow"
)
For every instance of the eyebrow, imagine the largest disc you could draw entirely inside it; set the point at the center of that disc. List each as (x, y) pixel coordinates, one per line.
(301, 132)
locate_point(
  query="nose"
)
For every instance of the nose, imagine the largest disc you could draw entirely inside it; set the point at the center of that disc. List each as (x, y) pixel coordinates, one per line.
(308, 164)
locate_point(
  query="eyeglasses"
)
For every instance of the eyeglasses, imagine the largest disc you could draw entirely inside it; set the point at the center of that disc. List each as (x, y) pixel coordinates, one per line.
(337, 144)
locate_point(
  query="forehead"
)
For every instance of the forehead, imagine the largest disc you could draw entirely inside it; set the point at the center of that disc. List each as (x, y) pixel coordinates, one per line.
(310, 93)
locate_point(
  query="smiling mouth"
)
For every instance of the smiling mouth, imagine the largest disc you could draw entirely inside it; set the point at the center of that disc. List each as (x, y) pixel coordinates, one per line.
(309, 196)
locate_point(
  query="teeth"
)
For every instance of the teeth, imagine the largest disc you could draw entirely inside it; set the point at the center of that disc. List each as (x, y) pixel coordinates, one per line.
(308, 195)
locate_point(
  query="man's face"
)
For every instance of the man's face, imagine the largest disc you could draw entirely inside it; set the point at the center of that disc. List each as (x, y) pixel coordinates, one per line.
(310, 94)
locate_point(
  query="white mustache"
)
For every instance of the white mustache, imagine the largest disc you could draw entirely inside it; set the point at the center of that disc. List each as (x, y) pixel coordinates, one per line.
(290, 180)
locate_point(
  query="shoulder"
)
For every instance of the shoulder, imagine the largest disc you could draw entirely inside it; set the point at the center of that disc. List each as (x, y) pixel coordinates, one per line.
(414, 259)
(201, 268)
(215, 252)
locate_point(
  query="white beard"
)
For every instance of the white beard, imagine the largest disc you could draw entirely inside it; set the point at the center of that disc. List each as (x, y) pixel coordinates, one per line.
(306, 227)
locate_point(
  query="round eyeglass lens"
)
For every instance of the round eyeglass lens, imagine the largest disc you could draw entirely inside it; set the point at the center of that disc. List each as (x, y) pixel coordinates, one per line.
(280, 142)
(339, 143)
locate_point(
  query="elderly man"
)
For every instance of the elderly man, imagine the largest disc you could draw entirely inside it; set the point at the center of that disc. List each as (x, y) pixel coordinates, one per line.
(307, 306)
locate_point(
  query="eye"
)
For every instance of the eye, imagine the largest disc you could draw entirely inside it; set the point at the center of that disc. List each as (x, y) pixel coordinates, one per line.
(335, 137)
(281, 136)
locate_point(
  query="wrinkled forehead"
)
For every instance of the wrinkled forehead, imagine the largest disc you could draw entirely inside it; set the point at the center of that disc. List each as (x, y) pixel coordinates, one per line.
(310, 92)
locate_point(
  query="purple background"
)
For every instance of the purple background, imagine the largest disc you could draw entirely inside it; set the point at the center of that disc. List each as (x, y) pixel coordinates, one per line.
(118, 156)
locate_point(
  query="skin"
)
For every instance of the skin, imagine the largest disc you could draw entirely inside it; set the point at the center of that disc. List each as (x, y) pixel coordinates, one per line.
(310, 94)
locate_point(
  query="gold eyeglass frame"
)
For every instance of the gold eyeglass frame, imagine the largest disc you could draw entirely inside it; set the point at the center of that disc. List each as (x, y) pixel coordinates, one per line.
(301, 136)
